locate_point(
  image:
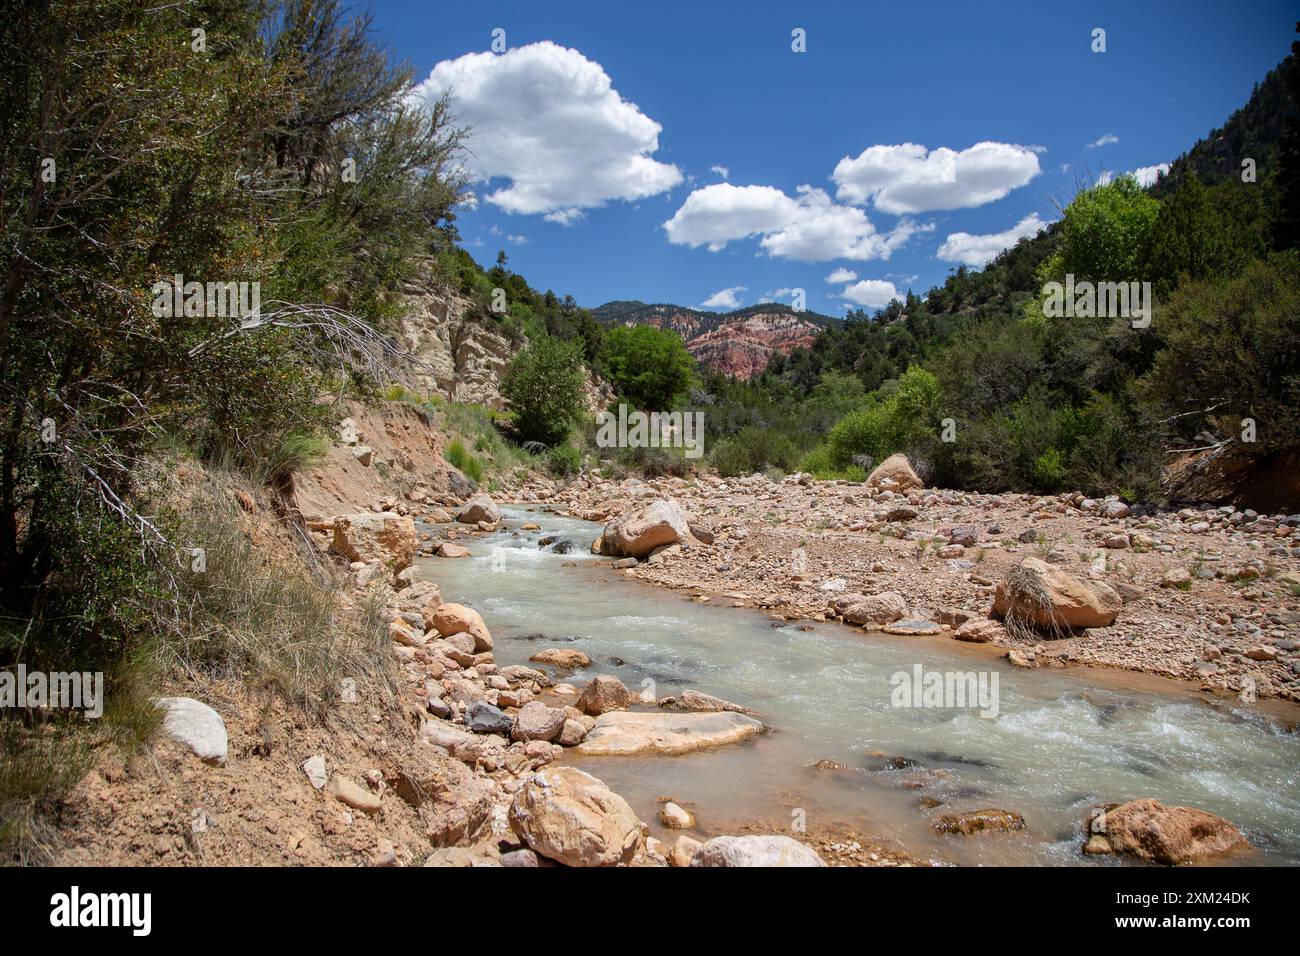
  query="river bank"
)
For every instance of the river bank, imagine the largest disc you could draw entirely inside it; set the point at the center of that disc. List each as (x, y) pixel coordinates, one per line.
(839, 758)
(437, 768)
(1210, 596)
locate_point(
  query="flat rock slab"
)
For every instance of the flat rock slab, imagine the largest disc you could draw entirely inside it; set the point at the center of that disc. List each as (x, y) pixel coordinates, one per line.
(912, 626)
(627, 733)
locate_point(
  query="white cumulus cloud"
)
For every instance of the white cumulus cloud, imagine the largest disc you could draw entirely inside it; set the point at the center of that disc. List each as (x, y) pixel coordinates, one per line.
(873, 293)
(979, 250)
(909, 178)
(841, 275)
(1147, 175)
(808, 227)
(549, 121)
(724, 298)
(722, 171)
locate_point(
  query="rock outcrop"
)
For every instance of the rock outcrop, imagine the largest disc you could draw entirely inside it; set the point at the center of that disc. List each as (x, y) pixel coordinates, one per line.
(463, 352)
(739, 344)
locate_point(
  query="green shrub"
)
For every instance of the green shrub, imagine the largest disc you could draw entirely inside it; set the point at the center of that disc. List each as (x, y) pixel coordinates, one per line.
(457, 456)
(655, 462)
(1049, 470)
(754, 449)
(862, 432)
(564, 461)
(818, 464)
(1231, 352)
(731, 458)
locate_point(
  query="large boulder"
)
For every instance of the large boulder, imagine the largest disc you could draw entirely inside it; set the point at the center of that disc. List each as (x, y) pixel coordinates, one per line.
(385, 535)
(1047, 598)
(1153, 832)
(895, 468)
(755, 851)
(878, 610)
(636, 533)
(567, 658)
(536, 721)
(604, 693)
(449, 619)
(625, 734)
(479, 508)
(571, 817)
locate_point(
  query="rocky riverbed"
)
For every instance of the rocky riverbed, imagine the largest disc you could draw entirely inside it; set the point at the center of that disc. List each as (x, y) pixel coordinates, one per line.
(1210, 595)
(473, 762)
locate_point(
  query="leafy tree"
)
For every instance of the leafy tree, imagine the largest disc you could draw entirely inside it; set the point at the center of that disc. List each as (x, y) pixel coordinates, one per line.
(1232, 351)
(1187, 235)
(1204, 232)
(1106, 234)
(544, 386)
(108, 185)
(648, 366)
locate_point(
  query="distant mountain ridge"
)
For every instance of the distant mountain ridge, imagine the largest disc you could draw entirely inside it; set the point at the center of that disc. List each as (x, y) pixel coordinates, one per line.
(738, 343)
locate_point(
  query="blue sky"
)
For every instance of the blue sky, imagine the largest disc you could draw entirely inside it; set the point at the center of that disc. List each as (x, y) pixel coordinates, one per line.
(683, 152)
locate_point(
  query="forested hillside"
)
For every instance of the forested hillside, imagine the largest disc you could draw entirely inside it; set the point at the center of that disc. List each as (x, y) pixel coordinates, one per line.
(987, 390)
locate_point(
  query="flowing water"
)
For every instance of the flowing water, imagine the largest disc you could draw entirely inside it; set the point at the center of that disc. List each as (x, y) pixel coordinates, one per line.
(1061, 742)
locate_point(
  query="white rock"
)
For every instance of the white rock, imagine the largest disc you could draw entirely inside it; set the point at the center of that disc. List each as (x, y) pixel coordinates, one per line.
(755, 851)
(197, 726)
(314, 768)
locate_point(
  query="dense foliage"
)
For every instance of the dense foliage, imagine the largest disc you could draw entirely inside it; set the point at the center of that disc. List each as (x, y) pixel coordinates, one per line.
(311, 174)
